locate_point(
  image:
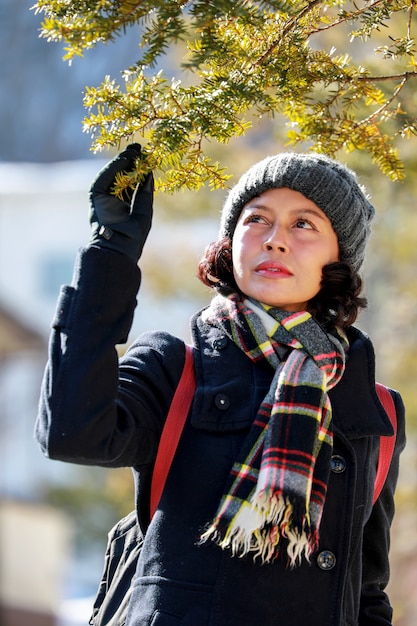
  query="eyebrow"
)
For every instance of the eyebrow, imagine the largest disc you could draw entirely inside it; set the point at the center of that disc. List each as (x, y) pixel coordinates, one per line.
(300, 210)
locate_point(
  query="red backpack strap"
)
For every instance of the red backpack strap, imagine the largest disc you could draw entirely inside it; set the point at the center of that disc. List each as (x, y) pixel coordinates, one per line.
(173, 427)
(386, 444)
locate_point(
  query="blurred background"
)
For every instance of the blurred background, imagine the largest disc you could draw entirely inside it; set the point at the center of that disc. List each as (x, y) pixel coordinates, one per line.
(54, 517)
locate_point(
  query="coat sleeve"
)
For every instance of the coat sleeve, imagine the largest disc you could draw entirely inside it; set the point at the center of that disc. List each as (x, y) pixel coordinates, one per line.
(375, 608)
(94, 410)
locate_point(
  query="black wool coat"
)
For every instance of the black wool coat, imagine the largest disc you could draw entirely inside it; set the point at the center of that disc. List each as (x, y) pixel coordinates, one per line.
(96, 411)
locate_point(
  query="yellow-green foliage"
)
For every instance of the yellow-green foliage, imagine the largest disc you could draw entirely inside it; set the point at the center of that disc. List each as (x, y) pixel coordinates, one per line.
(241, 61)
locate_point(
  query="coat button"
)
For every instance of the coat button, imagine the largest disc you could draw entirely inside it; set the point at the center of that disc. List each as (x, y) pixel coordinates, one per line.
(222, 401)
(337, 464)
(220, 343)
(326, 560)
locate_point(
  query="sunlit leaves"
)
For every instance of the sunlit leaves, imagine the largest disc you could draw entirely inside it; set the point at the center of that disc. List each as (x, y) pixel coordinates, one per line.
(241, 61)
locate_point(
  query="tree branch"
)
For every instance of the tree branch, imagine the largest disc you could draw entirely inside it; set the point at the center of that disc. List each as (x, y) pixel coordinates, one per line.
(285, 31)
(370, 119)
(375, 79)
(347, 17)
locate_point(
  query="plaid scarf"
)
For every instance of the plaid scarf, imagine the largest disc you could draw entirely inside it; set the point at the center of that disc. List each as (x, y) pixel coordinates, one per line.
(277, 487)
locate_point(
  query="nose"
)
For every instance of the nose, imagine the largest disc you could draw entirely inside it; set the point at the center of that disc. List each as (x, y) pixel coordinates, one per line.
(276, 240)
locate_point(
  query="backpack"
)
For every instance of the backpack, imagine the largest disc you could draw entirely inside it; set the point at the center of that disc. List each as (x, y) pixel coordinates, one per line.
(125, 539)
(386, 444)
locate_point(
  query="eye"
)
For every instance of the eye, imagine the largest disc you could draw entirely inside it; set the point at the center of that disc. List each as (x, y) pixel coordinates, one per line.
(304, 224)
(255, 218)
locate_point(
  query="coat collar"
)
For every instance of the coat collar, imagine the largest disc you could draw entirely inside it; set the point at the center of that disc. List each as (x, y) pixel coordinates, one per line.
(357, 410)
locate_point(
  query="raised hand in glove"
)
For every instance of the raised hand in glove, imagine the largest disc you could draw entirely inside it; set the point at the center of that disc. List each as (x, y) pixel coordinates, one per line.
(121, 225)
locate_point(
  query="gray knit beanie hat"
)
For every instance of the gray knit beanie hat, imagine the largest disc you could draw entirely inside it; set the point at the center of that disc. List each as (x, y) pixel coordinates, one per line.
(329, 184)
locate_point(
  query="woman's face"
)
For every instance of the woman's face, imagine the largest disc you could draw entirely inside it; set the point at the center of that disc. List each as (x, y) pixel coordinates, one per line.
(281, 242)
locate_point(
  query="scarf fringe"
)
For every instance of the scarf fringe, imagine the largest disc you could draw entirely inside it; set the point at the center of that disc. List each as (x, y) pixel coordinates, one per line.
(261, 527)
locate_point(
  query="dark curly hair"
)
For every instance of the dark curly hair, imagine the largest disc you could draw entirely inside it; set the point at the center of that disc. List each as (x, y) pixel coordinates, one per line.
(337, 303)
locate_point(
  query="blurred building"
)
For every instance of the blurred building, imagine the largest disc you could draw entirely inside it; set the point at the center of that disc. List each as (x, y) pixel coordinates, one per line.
(41, 224)
(34, 544)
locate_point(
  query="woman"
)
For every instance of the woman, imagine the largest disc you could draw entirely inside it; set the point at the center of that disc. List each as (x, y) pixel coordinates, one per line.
(267, 514)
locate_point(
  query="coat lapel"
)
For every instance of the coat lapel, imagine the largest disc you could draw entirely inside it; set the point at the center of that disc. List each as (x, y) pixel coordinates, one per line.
(357, 411)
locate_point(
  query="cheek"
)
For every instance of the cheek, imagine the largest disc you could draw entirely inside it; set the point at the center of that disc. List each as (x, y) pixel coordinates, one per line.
(239, 260)
(237, 251)
(334, 252)
(236, 264)
(327, 252)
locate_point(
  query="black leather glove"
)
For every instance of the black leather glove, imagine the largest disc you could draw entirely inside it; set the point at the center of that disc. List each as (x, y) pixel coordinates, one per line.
(121, 225)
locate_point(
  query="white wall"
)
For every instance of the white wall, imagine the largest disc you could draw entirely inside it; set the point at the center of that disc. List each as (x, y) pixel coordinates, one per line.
(34, 543)
(43, 221)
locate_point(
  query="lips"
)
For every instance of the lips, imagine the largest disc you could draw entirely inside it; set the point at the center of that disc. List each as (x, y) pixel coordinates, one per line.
(272, 269)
